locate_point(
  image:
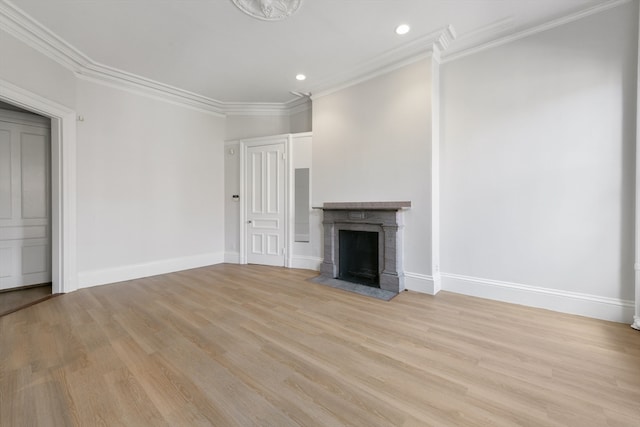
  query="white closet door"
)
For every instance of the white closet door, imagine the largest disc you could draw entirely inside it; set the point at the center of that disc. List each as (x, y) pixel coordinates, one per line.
(25, 232)
(265, 208)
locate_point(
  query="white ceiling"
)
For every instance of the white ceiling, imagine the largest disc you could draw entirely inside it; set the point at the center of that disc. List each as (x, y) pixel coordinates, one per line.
(211, 48)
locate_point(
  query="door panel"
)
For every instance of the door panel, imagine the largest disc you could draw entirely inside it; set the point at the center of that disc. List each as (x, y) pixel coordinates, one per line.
(5, 174)
(33, 162)
(266, 208)
(25, 233)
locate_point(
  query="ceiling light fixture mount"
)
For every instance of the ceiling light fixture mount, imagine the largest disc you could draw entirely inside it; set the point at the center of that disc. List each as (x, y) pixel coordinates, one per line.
(268, 10)
(402, 29)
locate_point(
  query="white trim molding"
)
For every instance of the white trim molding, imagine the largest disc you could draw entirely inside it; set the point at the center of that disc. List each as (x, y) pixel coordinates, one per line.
(421, 48)
(291, 107)
(63, 181)
(495, 40)
(612, 309)
(435, 170)
(306, 262)
(232, 257)
(19, 24)
(636, 317)
(87, 279)
(420, 283)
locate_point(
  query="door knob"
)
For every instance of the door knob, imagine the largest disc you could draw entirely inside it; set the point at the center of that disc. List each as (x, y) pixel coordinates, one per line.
(249, 222)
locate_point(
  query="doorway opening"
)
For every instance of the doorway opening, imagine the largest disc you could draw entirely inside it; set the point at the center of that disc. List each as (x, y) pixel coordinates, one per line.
(62, 181)
(25, 208)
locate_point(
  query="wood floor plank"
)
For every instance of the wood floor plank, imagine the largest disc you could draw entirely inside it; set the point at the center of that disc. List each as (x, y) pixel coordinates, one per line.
(233, 345)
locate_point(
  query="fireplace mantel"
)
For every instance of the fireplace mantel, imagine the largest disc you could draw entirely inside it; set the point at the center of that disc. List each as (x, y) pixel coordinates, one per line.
(376, 206)
(385, 218)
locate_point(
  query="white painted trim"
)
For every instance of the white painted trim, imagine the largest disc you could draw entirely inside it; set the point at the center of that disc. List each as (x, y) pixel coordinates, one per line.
(454, 54)
(301, 135)
(420, 283)
(408, 54)
(242, 221)
(19, 24)
(232, 257)
(435, 170)
(486, 32)
(28, 119)
(306, 262)
(289, 206)
(156, 91)
(636, 319)
(595, 306)
(88, 279)
(63, 181)
(287, 108)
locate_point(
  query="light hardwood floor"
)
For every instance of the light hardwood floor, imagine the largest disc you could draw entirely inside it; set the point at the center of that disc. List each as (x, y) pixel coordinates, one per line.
(236, 345)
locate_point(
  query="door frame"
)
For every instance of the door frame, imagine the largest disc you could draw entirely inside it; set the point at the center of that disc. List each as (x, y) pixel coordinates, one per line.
(288, 182)
(63, 181)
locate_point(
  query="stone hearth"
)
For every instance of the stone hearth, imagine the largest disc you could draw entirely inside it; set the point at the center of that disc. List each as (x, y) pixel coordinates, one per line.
(384, 218)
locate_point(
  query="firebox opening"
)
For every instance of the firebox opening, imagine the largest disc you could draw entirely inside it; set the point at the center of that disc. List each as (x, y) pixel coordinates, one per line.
(358, 254)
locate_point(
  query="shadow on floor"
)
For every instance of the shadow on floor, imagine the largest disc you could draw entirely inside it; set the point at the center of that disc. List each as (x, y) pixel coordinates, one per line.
(16, 299)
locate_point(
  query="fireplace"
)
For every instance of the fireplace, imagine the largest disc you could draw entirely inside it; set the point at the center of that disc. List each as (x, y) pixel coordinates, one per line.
(358, 253)
(363, 243)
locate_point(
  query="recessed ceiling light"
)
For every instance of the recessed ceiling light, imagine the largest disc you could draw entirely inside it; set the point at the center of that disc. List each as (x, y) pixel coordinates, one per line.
(301, 77)
(402, 29)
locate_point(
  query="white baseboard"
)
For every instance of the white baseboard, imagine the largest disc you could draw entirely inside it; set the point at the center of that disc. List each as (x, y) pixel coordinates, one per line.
(306, 262)
(421, 283)
(598, 307)
(88, 279)
(232, 257)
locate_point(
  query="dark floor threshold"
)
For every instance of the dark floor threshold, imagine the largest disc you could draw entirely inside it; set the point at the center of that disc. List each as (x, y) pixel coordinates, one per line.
(29, 304)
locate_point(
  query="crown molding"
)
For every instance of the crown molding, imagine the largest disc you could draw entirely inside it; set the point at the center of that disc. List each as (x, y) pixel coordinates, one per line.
(19, 24)
(420, 48)
(491, 30)
(35, 35)
(494, 29)
(26, 29)
(294, 106)
(99, 73)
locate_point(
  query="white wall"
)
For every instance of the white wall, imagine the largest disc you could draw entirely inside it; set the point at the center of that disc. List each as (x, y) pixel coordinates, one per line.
(30, 70)
(301, 122)
(242, 127)
(150, 185)
(372, 142)
(149, 173)
(537, 167)
(232, 206)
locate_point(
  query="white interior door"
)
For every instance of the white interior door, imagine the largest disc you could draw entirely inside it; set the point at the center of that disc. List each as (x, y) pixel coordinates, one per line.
(265, 206)
(25, 233)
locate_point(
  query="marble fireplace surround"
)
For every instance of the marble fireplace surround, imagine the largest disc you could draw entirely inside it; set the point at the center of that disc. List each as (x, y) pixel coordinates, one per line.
(385, 218)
